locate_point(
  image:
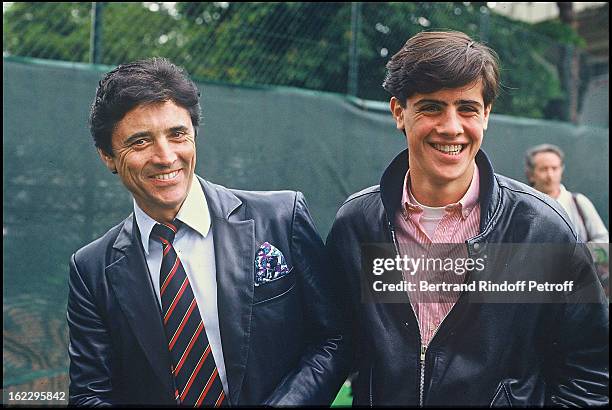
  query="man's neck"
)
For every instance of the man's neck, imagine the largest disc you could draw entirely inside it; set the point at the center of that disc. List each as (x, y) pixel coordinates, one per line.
(434, 194)
(160, 215)
(555, 194)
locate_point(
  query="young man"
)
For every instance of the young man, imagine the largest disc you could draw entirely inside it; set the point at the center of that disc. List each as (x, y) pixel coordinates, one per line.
(442, 348)
(544, 166)
(204, 296)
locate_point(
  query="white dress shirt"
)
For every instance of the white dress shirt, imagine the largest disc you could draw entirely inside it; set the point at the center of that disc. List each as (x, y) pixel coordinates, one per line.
(194, 246)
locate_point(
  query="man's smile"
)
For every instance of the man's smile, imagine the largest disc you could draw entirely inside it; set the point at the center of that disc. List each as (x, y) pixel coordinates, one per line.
(449, 149)
(166, 176)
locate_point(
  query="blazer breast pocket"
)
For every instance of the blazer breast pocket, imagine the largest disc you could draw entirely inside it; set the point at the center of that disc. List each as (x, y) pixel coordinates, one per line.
(275, 288)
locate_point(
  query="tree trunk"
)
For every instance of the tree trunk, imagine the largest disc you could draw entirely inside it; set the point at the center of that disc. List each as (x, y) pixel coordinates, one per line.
(571, 62)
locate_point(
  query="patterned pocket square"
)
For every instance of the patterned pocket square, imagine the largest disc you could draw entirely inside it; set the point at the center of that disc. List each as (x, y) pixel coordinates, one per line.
(270, 264)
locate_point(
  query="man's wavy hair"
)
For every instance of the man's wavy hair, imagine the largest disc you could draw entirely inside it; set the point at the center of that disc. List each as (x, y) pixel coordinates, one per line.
(141, 82)
(431, 61)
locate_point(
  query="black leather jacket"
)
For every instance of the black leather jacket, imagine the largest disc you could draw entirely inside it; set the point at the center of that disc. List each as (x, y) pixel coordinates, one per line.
(483, 354)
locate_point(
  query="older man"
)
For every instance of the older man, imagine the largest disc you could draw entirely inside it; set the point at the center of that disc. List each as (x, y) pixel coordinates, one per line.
(544, 168)
(204, 295)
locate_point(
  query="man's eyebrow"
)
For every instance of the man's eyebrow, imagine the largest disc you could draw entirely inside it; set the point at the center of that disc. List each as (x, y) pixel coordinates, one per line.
(429, 101)
(137, 136)
(143, 134)
(458, 102)
(181, 128)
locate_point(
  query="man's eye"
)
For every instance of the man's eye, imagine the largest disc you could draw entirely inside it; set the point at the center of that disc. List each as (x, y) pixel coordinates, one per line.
(430, 108)
(469, 108)
(139, 142)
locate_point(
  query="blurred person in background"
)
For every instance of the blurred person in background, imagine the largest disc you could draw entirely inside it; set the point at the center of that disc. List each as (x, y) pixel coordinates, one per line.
(544, 170)
(449, 350)
(544, 166)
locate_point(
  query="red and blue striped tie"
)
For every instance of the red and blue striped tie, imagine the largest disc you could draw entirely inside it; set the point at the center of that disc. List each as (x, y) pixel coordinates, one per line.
(193, 365)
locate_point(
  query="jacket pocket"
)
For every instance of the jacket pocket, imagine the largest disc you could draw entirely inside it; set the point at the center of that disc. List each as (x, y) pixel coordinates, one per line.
(501, 397)
(274, 289)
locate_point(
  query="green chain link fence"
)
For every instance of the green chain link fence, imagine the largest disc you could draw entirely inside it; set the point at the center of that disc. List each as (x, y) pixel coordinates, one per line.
(337, 47)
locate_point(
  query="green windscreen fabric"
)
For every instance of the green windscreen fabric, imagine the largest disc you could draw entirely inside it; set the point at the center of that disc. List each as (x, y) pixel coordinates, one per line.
(58, 196)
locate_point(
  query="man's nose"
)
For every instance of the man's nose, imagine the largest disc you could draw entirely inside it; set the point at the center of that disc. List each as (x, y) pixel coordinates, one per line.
(450, 124)
(164, 152)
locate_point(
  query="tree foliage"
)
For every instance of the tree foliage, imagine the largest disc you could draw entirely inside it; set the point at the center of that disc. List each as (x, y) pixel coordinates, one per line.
(296, 44)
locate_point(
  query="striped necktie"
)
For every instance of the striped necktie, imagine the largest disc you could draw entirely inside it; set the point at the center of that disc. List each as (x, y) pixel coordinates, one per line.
(195, 373)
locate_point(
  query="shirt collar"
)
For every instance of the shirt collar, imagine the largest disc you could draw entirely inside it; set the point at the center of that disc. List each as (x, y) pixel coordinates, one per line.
(465, 204)
(563, 191)
(193, 213)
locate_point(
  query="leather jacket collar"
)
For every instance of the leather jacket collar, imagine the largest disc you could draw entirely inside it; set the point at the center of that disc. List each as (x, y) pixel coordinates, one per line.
(392, 181)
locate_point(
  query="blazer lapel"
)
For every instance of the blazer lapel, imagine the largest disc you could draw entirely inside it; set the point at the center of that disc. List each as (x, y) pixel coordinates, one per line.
(234, 239)
(130, 281)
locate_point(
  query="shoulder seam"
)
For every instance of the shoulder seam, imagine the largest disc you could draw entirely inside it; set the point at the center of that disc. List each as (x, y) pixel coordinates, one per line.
(540, 200)
(351, 198)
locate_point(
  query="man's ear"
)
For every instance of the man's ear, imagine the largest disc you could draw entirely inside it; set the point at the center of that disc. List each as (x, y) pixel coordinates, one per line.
(529, 175)
(398, 113)
(108, 160)
(487, 111)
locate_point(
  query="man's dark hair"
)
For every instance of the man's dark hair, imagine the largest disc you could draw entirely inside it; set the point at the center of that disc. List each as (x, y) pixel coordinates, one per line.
(431, 61)
(141, 82)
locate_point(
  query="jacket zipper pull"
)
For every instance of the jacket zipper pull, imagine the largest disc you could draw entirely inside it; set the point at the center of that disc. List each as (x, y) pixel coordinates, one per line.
(422, 384)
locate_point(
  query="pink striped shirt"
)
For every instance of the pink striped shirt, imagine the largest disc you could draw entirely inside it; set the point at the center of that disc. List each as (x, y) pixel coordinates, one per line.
(460, 222)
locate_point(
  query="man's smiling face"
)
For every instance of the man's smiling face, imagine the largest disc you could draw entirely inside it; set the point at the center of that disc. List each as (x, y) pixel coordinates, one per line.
(444, 131)
(154, 154)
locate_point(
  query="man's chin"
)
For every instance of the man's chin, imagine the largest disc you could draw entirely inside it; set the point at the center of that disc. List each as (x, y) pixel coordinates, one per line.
(548, 191)
(164, 205)
(449, 176)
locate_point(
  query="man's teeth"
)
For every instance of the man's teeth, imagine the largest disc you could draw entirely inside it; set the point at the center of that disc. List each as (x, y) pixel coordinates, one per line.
(448, 149)
(166, 176)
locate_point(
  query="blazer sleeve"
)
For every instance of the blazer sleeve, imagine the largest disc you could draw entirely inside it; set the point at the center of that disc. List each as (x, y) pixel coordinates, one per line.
(90, 348)
(324, 365)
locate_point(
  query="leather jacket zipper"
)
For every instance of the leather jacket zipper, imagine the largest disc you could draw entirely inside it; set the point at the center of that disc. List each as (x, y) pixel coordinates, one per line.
(423, 352)
(371, 394)
(422, 348)
(422, 384)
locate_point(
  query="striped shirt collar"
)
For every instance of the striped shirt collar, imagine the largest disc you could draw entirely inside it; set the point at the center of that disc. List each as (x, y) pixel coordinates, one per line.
(411, 208)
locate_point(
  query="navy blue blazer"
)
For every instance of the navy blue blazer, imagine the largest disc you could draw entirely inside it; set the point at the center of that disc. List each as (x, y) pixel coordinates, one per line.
(283, 341)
